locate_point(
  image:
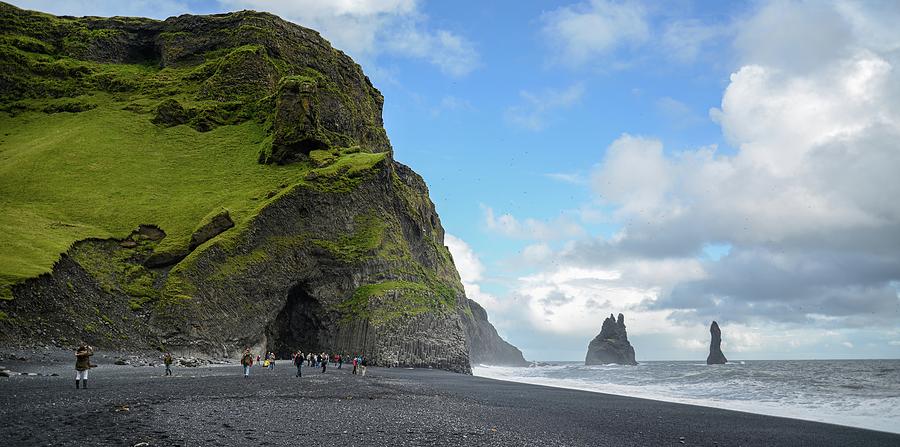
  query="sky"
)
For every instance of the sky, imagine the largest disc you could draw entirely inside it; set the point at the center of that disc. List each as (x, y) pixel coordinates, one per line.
(679, 163)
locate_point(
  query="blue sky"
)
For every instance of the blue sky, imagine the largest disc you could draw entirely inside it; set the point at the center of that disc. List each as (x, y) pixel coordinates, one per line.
(679, 163)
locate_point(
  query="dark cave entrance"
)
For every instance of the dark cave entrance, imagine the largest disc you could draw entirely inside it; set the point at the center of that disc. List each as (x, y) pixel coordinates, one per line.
(297, 326)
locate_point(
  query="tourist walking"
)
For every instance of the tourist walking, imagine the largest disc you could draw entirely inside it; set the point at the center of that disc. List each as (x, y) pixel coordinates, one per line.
(247, 361)
(271, 357)
(340, 361)
(298, 362)
(324, 362)
(167, 360)
(362, 365)
(82, 364)
(355, 364)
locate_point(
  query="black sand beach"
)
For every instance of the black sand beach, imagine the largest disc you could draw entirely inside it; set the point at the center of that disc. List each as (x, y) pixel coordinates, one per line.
(215, 405)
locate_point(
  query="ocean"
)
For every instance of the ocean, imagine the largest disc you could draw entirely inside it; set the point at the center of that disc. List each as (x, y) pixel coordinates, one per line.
(856, 393)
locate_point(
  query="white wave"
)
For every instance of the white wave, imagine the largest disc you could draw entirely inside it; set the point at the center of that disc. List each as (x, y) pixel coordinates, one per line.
(876, 413)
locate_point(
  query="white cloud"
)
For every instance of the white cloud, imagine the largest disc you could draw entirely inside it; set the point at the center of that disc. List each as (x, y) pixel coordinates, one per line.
(470, 271)
(691, 344)
(533, 229)
(800, 35)
(807, 202)
(575, 178)
(536, 253)
(684, 40)
(847, 344)
(635, 174)
(532, 113)
(367, 28)
(586, 31)
(453, 54)
(467, 263)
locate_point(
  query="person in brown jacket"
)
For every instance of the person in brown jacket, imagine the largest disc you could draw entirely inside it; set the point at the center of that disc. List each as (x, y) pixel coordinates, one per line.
(82, 364)
(247, 361)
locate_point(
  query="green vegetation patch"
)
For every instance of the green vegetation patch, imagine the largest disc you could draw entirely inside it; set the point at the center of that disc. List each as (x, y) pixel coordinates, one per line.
(239, 264)
(99, 173)
(386, 301)
(368, 233)
(81, 156)
(346, 172)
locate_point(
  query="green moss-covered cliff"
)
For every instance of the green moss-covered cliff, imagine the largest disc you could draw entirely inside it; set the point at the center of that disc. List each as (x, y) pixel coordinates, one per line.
(206, 183)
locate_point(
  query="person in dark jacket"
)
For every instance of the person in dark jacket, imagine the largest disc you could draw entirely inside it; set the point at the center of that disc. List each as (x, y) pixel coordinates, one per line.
(298, 362)
(324, 359)
(82, 364)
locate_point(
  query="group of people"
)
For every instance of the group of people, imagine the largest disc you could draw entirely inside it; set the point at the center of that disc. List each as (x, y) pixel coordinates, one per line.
(84, 352)
(312, 360)
(315, 360)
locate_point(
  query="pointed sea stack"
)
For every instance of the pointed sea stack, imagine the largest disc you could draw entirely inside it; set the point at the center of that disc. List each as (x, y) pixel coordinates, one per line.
(611, 345)
(715, 349)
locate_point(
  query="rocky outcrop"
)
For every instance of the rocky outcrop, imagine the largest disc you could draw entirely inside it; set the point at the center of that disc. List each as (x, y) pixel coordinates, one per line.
(212, 226)
(611, 345)
(716, 357)
(486, 347)
(346, 257)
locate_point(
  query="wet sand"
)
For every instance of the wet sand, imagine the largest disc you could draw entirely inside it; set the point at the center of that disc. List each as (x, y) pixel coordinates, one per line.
(215, 405)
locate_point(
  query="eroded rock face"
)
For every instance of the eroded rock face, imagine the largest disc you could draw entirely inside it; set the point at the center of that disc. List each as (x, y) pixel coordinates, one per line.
(611, 345)
(486, 347)
(348, 259)
(216, 225)
(716, 357)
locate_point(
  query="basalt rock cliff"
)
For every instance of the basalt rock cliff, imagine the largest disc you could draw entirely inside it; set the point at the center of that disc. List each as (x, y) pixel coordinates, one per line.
(716, 357)
(246, 195)
(486, 345)
(611, 345)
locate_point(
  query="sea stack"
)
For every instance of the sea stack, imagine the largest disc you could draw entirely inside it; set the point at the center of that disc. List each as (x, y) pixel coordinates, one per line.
(611, 345)
(715, 349)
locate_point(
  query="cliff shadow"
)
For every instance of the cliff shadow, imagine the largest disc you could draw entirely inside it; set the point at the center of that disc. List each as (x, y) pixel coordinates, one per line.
(297, 326)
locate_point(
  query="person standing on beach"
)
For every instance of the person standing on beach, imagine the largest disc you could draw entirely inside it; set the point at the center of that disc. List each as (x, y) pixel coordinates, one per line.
(362, 365)
(340, 361)
(247, 361)
(298, 362)
(324, 362)
(354, 364)
(167, 360)
(271, 357)
(82, 364)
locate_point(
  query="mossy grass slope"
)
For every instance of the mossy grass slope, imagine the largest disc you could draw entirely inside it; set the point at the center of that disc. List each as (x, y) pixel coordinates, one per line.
(86, 153)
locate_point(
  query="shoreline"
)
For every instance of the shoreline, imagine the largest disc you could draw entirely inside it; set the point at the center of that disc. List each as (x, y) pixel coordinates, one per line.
(215, 405)
(756, 407)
